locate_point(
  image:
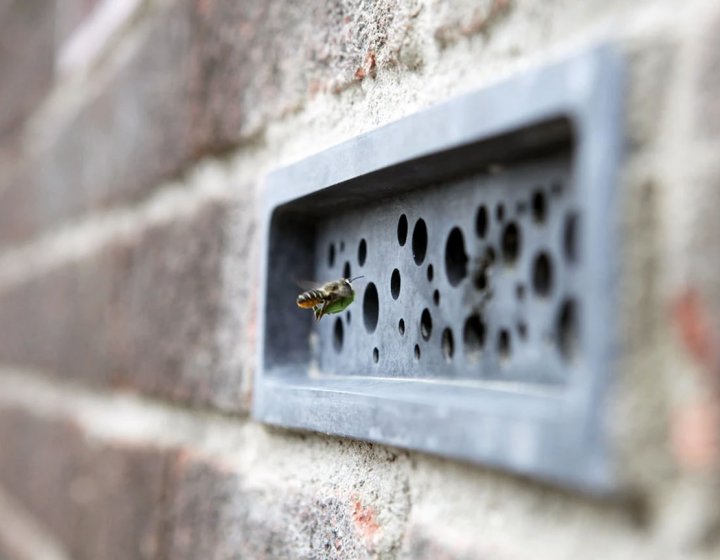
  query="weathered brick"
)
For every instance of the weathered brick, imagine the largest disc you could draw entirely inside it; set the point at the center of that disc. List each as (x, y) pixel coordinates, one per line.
(216, 513)
(142, 313)
(100, 500)
(204, 76)
(27, 51)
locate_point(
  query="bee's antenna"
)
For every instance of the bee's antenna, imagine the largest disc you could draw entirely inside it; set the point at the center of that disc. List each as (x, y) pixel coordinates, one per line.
(356, 278)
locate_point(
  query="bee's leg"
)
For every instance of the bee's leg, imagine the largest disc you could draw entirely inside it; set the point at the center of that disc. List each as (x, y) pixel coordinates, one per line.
(319, 314)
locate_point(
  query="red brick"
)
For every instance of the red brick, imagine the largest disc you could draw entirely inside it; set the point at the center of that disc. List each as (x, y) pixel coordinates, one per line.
(205, 77)
(143, 313)
(100, 500)
(27, 51)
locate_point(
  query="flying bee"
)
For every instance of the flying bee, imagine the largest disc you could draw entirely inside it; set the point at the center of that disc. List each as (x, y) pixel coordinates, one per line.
(331, 297)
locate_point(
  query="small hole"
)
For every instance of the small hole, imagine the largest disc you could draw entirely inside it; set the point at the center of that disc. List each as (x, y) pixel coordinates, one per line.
(542, 274)
(395, 284)
(376, 355)
(474, 336)
(500, 212)
(539, 206)
(371, 307)
(481, 221)
(426, 324)
(347, 273)
(401, 326)
(455, 257)
(520, 291)
(490, 255)
(419, 241)
(521, 207)
(504, 344)
(480, 279)
(567, 329)
(430, 272)
(448, 344)
(511, 243)
(349, 317)
(417, 352)
(362, 252)
(402, 230)
(338, 335)
(570, 235)
(342, 246)
(522, 330)
(436, 297)
(331, 255)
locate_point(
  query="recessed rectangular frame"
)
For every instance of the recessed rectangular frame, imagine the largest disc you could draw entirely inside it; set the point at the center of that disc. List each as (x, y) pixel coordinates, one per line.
(560, 436)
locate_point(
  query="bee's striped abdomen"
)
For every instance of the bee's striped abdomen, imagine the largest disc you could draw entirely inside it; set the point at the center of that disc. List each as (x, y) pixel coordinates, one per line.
(310, 299)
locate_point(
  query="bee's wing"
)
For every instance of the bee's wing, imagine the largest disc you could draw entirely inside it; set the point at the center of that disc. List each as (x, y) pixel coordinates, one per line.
(308, 284)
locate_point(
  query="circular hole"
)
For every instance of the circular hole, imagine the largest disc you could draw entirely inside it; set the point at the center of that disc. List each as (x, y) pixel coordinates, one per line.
(520, 291)
(436, 297)
(402, 229)
(426, 324)
(331, 255)
(522, 330)
(417, 351)
(500, 212)
(567, 329)
(371, 307)
(338, 335)
(395, 284)
(570, 237)
(504, 344)
(448, 344)
(376, 355)
(481, 221)
(401, 326)
(539, 206)
(480, 280)
(542, 274)
(474, 335)
(346, 270)
(419, 241)
(430, 272)
(510, 243)
(455, 257)
(362, 252)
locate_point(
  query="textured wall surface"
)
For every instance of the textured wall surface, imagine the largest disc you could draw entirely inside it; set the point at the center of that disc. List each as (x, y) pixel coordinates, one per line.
(134, 140)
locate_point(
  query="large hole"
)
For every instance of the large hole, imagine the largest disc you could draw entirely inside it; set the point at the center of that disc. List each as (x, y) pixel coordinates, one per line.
(419, 241)
(474, 336)
(371, 307)
(402, 229)
(395, 284)
(481, 221)
(347, 272)
(362, 252)
(426, 324)
(510, 243)
(504, 344)
(455, 257)
(542, 274)
(331, 255)
(448, 344)
(570, 238)
(539, 206)
(567, 329)
(338, 335)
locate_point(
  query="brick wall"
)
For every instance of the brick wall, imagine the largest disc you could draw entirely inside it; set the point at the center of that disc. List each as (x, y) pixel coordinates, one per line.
(134, 139)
